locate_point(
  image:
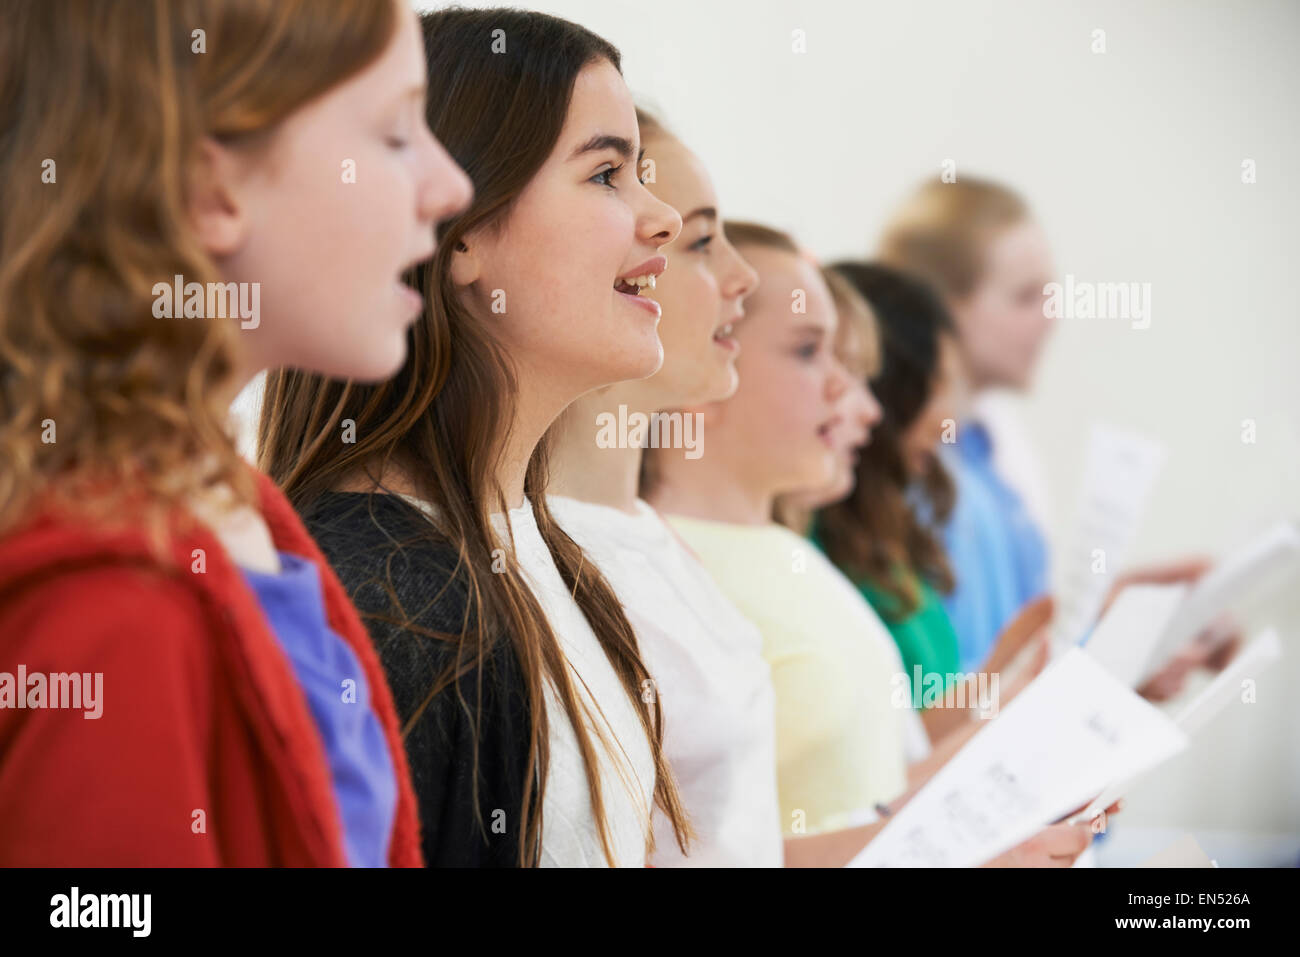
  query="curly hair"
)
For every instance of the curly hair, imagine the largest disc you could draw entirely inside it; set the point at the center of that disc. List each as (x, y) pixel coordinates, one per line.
(103, 107)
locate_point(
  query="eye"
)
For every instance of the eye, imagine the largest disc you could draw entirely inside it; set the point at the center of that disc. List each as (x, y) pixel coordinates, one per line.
(808, 351)
(604, 176)
(397, 142)
(701, 244)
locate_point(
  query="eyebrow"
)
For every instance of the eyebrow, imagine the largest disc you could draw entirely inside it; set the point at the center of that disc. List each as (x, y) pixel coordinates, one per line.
(708, 212)
(605, 141)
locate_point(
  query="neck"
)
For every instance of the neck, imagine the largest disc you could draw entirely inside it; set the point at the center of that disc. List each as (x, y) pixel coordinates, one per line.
(540, 400)
(581, 468)
(710, 487)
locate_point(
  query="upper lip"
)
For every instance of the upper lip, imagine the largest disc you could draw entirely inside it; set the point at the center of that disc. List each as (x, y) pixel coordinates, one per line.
(740, 314)
(651, 267)
(830, 423)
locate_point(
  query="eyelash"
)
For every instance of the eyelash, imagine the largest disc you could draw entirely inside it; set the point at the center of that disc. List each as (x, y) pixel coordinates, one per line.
(701, 244)
(608, 172)
(807, 352)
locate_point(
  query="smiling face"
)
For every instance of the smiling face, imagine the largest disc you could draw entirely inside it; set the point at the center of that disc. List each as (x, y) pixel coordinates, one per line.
(778, 424)
(1002, 321)
(702, 293)
(329, 249)
(561, 262)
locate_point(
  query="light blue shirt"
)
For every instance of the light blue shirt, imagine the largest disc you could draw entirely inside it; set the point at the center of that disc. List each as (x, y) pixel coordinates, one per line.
(361, 768)
(997, 553)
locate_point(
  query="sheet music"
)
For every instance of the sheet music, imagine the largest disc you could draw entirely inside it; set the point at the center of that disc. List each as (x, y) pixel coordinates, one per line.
(1074, 729)
(1215, 697)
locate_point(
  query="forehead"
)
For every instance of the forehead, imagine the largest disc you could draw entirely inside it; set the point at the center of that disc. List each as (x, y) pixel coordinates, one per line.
(601, 104)
(681, 180)
(780, 275)
(855, 349)
(1019, 251)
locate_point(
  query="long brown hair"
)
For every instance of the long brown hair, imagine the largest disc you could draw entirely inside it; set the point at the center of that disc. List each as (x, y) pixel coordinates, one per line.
(876, 530)
(102, 108)
(439, 421)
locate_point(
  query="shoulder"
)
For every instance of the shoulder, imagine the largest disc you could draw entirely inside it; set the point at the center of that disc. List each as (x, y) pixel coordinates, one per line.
(386, 552)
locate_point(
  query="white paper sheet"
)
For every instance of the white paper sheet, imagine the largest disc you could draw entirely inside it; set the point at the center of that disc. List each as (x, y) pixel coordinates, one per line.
(1264, 563)
(1126, 636)
(1073, 730)
(1120, 471)
(1201, 710)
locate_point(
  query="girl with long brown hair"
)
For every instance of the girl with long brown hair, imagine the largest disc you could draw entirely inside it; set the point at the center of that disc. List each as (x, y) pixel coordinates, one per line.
(168, 591)
(523, 695)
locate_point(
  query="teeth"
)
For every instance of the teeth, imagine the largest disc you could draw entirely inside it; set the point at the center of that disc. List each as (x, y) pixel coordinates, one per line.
(724, 332)
(643, 282)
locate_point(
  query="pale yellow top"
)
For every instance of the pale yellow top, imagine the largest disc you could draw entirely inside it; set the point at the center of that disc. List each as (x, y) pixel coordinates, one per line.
(839, 736)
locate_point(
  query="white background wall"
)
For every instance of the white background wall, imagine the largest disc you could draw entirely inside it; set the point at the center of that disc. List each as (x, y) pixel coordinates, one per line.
(1132, 159)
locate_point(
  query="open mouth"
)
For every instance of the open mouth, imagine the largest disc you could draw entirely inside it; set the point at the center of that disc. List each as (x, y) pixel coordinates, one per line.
(635, 285)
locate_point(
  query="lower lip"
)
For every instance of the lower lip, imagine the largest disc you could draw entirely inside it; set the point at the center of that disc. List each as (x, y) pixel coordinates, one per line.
(727, 342)
(641, 302)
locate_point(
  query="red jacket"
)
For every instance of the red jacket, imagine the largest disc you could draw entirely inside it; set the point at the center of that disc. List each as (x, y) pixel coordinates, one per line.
(201, 710)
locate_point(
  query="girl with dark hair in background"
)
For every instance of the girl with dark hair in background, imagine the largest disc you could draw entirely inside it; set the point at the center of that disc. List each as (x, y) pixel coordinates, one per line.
(881, 534)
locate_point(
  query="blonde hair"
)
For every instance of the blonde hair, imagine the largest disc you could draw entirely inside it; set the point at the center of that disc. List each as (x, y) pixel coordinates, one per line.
(940, 232)
(111, 102)
(856, 316)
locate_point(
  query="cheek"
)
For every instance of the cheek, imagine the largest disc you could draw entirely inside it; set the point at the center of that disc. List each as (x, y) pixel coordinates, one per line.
(787, 398)
(690, 316)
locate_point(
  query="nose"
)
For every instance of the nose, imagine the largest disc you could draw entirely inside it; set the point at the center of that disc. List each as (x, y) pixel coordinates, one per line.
(874, 411)
(447, 190)
(837, 382)
(741, 277)
(658, 223)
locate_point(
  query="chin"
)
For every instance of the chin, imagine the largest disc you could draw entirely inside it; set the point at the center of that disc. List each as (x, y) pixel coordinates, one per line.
(644, 363)
(720, 387)
(373, 365)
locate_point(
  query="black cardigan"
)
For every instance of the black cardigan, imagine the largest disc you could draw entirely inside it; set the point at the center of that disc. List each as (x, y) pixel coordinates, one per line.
(371, 540)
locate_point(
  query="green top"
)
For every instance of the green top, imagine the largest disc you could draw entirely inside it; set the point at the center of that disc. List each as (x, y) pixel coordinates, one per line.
(925, 637)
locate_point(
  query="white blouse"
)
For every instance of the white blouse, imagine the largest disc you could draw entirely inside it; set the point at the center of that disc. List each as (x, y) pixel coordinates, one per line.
(570, 834)
(716, 689)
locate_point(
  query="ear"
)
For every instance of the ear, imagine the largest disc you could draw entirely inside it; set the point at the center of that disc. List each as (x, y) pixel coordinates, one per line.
(216, 213)
(465, 265)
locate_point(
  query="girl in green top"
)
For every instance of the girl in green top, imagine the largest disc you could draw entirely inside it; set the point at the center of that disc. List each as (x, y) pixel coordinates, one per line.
(880, 535)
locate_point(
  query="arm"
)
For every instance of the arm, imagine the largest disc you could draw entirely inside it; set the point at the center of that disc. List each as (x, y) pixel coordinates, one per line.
(1020, 654)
